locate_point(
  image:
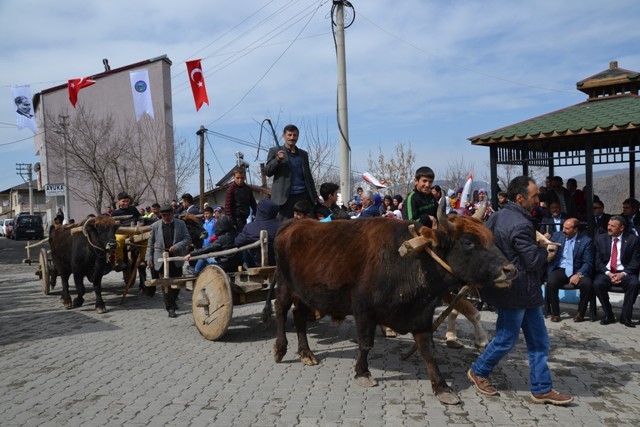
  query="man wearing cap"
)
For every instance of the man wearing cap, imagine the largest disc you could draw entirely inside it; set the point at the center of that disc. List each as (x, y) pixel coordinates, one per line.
(124, 209)
(170, 235)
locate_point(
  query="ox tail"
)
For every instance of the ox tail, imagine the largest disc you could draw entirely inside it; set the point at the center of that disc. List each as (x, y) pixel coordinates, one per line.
(267, 311)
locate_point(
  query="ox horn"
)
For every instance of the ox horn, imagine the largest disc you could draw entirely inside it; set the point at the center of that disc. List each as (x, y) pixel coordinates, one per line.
(84, 226)
(442, 216)
(479, 213)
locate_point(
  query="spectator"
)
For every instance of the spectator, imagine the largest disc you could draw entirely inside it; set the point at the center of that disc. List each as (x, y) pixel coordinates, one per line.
(302, 209)
(573, 265)
(369, 208)
(561, 195)
(600, 218)
(630, 213)
(387, 206)
(502, 199)
(578, 198)
(187, 205)
(209, 227)
(225, 239)
(353, 209)
(329, 194)
(266, 219)
(397, 202)
(617, 263)
(359, 191)
(292, 178)
(420, 204)
(553, 223)
(240, 201)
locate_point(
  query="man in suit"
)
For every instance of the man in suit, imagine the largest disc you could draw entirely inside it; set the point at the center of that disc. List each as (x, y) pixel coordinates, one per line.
(630, 212)
(561, 195)
(572, 265)
(600, 218)
(553, 222)
(292, 179)
(171, 235)
(617, 263)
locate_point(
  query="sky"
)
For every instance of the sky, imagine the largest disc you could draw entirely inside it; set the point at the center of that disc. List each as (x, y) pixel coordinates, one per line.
(428, 74)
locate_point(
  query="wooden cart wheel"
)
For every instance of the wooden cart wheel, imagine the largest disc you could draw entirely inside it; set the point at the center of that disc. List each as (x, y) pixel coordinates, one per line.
(212, 302)
(44, 271)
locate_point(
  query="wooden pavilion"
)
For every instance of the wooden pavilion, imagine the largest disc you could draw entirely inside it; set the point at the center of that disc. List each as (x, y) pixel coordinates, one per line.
(604, 129)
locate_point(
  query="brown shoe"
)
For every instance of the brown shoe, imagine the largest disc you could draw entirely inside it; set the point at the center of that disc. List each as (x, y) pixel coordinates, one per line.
(553, 397)
(579, 318)
(483, 385)
(555, 319)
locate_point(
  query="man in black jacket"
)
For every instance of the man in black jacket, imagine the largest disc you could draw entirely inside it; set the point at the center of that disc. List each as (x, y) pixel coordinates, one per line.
(520, 306)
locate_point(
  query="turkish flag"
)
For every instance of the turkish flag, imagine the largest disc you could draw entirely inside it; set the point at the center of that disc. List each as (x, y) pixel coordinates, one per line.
(197, 83)
(75, 85)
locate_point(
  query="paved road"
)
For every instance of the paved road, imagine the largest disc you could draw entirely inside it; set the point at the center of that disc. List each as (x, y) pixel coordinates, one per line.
(134, 366)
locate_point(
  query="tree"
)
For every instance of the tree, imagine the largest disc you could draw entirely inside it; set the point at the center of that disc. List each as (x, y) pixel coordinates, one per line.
(397, 170)
(104, 159)
(455, 174)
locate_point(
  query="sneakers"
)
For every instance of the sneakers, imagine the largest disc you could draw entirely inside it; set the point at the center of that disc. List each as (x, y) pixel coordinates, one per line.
(553, 397)
(483, 385)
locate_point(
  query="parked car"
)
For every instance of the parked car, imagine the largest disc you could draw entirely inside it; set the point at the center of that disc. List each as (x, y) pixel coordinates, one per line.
(3, 226)
(28, 227)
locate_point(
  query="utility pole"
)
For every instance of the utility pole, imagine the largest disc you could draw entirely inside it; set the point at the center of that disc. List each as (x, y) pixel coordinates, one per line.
(343, 121)
(26, 169)
(209, 181)
(200, 133)
(67, 210)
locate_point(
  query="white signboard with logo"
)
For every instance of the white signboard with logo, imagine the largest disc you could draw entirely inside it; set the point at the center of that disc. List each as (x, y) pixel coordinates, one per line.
(54, 190)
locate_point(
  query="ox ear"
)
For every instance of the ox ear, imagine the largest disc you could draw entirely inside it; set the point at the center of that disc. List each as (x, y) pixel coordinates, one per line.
(427, 237)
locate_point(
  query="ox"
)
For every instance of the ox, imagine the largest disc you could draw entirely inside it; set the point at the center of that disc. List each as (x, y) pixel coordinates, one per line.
(353, 267)
(86, 254)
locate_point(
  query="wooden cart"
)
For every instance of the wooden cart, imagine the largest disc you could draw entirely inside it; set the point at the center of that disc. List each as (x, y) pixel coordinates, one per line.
(215, 292)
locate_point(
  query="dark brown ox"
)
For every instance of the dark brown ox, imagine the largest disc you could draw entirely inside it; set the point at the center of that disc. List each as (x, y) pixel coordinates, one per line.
(354, 268)
(84, 251)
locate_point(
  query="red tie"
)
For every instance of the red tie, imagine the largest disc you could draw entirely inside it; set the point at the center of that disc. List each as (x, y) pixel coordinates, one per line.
(614, 255)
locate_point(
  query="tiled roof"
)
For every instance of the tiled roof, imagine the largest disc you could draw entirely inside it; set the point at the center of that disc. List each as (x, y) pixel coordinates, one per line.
(609, 114)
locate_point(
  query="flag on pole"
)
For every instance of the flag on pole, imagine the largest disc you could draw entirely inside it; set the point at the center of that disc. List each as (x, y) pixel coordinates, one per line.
(141, 93)
(25, 116)
(196, 78)
(75, 85)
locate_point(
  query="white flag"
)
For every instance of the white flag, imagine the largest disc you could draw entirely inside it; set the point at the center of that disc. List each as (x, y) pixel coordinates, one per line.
(25, 116)
(141, 93)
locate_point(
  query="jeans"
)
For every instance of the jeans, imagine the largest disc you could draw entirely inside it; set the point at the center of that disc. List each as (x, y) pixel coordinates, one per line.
(508, 325)
(202, 263)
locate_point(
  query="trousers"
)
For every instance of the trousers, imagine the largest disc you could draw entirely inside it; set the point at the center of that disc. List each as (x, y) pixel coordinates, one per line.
(510, 322)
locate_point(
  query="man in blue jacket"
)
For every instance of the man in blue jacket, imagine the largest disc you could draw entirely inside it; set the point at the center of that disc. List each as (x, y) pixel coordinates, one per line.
(572, 265)
(520, 306)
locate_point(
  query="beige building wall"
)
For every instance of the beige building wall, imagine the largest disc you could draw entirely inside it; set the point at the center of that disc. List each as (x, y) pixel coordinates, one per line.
(111, 94)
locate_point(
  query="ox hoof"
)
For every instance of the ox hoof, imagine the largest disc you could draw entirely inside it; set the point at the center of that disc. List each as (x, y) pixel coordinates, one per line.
(67, 304)
(101, 310)
(308, 358)
(481, 347)
(448, 397)
(278, 355)
(365, 380)
(454, 344)
(77, 302)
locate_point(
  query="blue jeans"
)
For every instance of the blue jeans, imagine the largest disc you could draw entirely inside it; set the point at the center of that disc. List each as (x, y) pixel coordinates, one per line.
(508, 325)
(202, 263)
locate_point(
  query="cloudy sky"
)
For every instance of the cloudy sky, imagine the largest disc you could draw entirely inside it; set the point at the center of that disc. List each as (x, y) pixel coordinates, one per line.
(425, 73)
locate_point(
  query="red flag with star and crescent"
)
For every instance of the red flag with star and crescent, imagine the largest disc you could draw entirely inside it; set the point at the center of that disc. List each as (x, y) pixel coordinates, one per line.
(196, 78)
(75, 85)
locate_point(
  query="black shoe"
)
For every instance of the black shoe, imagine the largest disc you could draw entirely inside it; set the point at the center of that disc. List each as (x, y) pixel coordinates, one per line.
(172, 312)
(608, 320)
(628, 323)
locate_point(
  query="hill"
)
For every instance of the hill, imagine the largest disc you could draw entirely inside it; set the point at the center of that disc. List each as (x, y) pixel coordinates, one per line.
(612, 187)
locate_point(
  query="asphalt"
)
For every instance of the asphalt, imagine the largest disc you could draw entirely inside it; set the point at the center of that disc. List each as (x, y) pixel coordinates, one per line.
(134, 366)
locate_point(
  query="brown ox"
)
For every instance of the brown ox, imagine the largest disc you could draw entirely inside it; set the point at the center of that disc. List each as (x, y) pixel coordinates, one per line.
(345, 268)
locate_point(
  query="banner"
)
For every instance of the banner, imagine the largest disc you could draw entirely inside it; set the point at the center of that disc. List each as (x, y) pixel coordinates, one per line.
(74, 86)
(196, 78)
(141, 93)
(25, 116)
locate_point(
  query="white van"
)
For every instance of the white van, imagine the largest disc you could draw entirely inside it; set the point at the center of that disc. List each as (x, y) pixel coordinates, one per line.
(3, 226)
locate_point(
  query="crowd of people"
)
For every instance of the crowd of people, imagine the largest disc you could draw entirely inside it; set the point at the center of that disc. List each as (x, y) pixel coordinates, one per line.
(541, 230)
